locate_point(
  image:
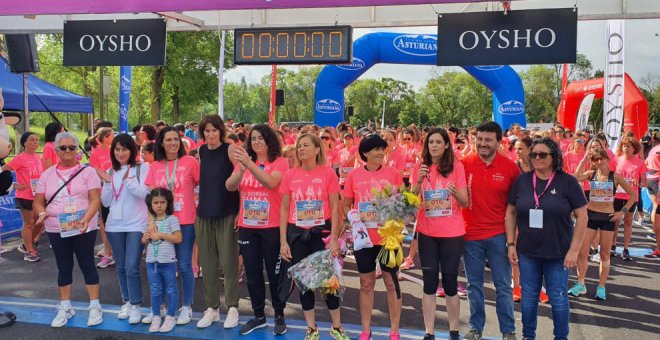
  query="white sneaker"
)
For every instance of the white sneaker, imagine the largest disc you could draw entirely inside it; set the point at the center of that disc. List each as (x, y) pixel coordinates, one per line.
(185, 314)
(168, 324)
(149, 317)
(95, 316)
(134, 315)
(155, 324)
(232, 318)
(63, 315)
(210, 315)
(124, 311)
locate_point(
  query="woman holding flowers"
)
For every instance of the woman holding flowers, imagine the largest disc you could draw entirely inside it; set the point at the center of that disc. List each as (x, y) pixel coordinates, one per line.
(309, 211)
(357, 195)
(441, 183)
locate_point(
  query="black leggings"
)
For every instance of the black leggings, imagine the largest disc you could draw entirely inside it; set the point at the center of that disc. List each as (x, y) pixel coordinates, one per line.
(259, 246)
(83, 247)
(436, 253)
(301, 249)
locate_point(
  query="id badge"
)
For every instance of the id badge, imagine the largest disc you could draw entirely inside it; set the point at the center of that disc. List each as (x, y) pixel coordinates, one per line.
(536, 218)
(70, 205)
(33, 185)
(177, 205)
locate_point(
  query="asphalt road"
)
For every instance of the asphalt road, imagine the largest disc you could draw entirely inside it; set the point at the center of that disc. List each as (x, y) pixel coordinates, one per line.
(630, 312)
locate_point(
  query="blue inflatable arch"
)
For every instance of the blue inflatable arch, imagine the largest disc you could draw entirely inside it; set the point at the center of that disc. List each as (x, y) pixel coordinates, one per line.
(414, 49)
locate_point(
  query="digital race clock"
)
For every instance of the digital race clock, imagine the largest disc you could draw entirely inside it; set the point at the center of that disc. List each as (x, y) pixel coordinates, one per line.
(293, 45)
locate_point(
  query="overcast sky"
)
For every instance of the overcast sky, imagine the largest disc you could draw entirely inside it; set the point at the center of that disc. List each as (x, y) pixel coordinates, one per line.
(642, 53)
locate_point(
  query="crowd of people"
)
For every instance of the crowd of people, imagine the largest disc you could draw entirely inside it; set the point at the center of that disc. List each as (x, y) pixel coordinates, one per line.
(218, 198)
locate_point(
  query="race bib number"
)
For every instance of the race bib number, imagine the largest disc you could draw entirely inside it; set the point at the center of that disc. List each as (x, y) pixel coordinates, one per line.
(408, 169)
(33, 185)
(196, 194)
(71, 223)
(309, 213)
(343, 173)
(255, 213)
(437, 203)
(368, 214)
(601, 191)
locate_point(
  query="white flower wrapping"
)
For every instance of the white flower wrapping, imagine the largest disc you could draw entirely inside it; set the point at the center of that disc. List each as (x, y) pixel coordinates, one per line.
(319, 270)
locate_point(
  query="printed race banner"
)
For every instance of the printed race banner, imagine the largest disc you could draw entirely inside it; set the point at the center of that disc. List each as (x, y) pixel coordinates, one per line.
(582, 119)
(10, 217)
(614, 84)
(543, 36)
(125, 78)
(114, 42)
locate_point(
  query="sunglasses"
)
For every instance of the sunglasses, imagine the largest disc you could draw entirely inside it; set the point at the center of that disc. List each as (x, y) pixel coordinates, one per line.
(596, 159)
(541, 155)
(67, 147)
(325, 138)
(407, 139)
(580, 141)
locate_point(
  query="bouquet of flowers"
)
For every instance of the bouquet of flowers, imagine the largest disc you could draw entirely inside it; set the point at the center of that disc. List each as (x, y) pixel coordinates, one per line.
(320, 270)
(396, 209)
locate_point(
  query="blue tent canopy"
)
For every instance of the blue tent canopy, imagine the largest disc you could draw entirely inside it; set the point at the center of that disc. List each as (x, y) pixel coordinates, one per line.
(54, 98)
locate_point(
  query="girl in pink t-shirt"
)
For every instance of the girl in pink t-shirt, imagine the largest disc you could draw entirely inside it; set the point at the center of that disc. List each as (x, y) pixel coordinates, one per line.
(440, 181)
(257, 177)
(357, 195)
(633, 170)
(309, 212)
(28, 167)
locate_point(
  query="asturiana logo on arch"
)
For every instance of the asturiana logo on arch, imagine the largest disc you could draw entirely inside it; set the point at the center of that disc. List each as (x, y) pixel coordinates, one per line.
(489, 67)
(511, 107)
(417, 45)
(328, 106)
(357, 64)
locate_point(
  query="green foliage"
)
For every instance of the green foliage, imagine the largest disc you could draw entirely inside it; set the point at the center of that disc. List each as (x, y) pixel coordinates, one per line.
(369, 96)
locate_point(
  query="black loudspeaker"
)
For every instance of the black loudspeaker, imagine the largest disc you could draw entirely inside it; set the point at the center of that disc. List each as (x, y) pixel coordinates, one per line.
(22, 50)
(349, 111)
(279, 97)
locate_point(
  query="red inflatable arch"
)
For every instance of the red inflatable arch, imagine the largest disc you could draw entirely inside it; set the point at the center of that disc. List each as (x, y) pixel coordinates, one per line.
(636, 110)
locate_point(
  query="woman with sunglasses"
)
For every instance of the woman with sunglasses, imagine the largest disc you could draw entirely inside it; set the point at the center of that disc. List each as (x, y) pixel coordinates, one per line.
(174, 170)
(357, 195)
(28, 167)
(347, 158)
(332, 156)
(441, 183)
(602, 217)
(257, 178)
(540, 208)
(633, 170)
(67, 200)
(411, 152)
(310, 212)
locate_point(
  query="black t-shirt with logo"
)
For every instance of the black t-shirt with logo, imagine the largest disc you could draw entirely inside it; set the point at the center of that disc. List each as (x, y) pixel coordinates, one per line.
(562, 197)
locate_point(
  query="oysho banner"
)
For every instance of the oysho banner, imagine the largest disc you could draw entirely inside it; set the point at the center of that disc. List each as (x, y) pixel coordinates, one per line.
(544, 36)
(614, 84)
(114, 42)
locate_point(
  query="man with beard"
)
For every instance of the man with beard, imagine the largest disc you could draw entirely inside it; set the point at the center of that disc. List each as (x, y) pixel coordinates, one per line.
(489, 178)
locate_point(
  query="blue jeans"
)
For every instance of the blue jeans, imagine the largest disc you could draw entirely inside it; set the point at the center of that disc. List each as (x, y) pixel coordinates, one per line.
(162, 279)
(475, 254)
(127, 252)
(184, 252)
(532, 272)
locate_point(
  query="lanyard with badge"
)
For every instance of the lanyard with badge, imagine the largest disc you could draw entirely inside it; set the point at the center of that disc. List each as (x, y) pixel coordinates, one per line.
(171, 183)
(160, 227)
(536, 214)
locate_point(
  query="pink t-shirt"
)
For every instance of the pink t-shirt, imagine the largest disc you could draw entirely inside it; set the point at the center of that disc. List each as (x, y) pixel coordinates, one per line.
(631, 170)
(100, 159)
(78, 191)
(28, 170)
(565, 143)
(346, 162)
(261, 203)
(185, 180)
(410, 156)
(395, 159)
(309, 194)
(572, 160)
(48, 153)
(289, 139)
(440, 215)
(358, 186)
(653, 161)
(332, 157)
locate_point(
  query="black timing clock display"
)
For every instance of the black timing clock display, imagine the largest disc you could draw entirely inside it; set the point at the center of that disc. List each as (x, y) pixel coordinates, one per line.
(293, 45)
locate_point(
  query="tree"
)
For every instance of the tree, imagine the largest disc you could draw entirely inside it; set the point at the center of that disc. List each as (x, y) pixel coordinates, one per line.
(541, 93)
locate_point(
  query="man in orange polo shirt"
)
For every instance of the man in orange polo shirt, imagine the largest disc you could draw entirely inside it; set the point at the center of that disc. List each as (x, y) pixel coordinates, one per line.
(489, 178)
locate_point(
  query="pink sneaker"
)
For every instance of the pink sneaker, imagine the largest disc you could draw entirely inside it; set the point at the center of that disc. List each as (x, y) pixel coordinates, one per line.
(440, 292)
(365, 336)
(461, 290)
(395, 336)
(105, 262)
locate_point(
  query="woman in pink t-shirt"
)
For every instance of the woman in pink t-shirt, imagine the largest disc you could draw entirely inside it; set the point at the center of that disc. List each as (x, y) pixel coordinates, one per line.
(28, 167)
(100, 160)
(410, 153)
(440, 181)
(331, 154)
(176, 171)
(347, 157)
(258, 178)
(633, 170)
(308, 213)
(48, 154)
(67, 201)
(393, 154)
(357, 195)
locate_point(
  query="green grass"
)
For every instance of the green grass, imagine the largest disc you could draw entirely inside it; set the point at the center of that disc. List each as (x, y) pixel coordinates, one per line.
(39, 130)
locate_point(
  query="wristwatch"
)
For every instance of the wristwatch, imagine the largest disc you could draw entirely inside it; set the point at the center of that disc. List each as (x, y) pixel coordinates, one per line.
(624, 210)
(511, 244)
